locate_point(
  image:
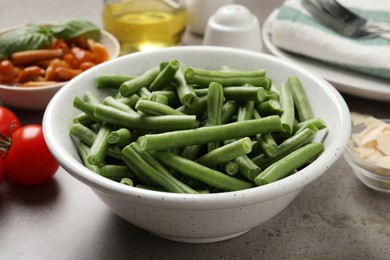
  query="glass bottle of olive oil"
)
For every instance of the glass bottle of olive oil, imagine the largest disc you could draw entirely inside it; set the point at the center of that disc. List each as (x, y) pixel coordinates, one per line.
(142, 25)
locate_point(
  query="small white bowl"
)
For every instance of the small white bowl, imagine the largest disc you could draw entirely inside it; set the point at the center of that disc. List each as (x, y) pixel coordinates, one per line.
(371, 175)
(197, 218)
(37, 98)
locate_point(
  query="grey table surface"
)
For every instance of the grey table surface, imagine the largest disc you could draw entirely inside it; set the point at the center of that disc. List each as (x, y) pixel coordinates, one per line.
(335, 217)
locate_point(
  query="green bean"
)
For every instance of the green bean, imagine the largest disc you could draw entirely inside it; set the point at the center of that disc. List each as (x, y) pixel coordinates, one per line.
(85, 107)
(126, 181)
(151, 123)
(111, 81)
(203, 135)
(268, 144)
(84, 119)
(98, 150)
(120, 137)
(165, 75)
(83, 151)
(197, 109)
(173, 99)
(224, 77)
(214, 108)
(192, 152)
(185, 92)
(130, 101)
(241, 93)
(88, 137)
(289, 163)
(159, 98)
(231, 168)
(229, 109)
(112, 102)
(201, 173)
(116, 172)
(288, 115)
(247, 167)
(317, 122)
(162, 177)
(155, 108)
(226, 153)
(301, 102)
(269, 107)
(245, 111)
(144, 92)
(287, 146)
(132, 86)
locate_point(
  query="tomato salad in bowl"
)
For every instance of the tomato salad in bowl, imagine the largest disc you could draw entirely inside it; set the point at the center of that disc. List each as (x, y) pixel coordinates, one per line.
(37, 59)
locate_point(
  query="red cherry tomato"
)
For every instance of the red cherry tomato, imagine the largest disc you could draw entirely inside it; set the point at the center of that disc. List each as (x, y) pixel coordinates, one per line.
(8, 121)
(29, 161)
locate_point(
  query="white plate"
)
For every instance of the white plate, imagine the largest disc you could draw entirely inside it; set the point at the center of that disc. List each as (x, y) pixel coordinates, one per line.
(345, 81)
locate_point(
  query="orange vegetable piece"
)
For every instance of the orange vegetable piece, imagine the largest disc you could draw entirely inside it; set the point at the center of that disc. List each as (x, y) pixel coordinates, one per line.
(31, 73)
(7, 73)
(65, 74)
(99, 51)
(86, 65)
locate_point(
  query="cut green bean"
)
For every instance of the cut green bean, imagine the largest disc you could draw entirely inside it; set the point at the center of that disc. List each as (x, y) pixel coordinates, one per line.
(201, 173)
(165, 75)
(151, 123)
(185, 92)
(83, 151)
(226, 153)
(215, 101)
(155, 108)
(241, 93)
(247, 167)
(204, 135)
(88, 136)
(224, 77)
(317, 122)
(287, 104)
(269, 107)
(301, 102)
(112, 102)
(231, 168)
(132, 86)
(98, 150)
(126, 181)
(111, 81)
(245, 111)
(197, 109)
(287, 146)
(162, 177)
(229, 109)
(268, 144)
(120, 137)
(116, 172)
(289, 163)
(192, 152)
(130, 101)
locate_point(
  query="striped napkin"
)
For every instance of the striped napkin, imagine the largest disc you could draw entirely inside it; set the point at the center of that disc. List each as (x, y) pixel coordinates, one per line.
(296, 31)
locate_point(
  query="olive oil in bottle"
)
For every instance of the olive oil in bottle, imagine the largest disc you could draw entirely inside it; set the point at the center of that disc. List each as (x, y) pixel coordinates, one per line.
(142, 25)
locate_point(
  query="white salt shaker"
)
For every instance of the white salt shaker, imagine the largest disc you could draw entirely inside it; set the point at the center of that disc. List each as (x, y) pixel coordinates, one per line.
(234, 25)
(199, 12)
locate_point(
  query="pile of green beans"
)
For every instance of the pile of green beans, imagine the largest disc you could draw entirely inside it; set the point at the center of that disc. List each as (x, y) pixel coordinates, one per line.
(191, 130)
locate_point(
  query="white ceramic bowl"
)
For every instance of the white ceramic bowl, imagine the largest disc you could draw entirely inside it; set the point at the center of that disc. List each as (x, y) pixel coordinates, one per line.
(37, 98)
(198, 218)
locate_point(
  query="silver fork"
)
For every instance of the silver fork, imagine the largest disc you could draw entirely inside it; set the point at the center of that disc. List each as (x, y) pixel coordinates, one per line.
(334, 8)
(315, 8)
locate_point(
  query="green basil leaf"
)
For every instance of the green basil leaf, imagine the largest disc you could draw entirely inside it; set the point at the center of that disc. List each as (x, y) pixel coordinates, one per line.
(71, 28)
(29, 37)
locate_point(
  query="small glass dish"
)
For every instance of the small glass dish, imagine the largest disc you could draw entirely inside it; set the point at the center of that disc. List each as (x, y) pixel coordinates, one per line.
(370, 174)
